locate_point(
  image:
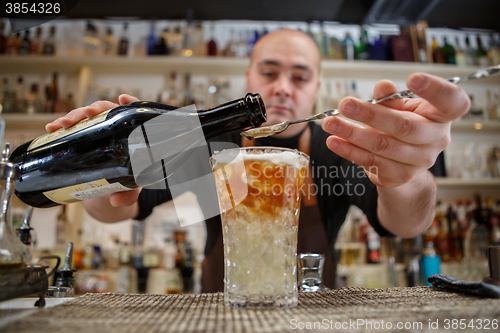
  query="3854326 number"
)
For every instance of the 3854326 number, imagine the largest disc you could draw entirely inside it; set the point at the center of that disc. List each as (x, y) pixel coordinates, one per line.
(479, 324)
(28, 8)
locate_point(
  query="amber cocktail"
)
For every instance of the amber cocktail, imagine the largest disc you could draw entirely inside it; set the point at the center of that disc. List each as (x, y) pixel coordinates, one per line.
(259, 190)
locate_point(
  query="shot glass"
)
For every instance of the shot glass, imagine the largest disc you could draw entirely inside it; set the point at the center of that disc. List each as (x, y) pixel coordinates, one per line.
(259, 191)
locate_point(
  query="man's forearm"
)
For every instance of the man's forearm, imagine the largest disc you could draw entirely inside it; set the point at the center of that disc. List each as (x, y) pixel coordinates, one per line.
(408, 210)
(102, 210)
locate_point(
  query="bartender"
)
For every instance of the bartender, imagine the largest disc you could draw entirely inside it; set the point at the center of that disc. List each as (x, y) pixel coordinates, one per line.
(396, 145)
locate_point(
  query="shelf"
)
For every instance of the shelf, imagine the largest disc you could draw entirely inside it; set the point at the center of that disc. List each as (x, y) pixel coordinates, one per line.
(124, 65)
(466, 126)
(455, 183)
(24, 121)
(219, 66)
(394, 70)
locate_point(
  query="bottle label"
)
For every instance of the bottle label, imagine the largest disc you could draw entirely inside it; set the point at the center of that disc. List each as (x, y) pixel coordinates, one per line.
(85, 191)
(62, 132)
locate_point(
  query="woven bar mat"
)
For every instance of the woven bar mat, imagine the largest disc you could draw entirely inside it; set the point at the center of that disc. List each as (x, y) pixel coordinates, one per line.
(417, 309)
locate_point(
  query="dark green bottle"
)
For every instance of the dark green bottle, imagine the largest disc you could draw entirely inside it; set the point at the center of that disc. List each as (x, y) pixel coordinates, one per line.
(93, 158)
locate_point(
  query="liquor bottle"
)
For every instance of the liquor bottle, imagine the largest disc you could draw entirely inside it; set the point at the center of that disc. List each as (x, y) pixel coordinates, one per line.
(212, 44)
(161, 47)
(187, 43)
(431, 262)
(232, 46)
(173, 283)
(337, 95)
(494, 53)
(166, 35)
(421, 29)
(372, 245)
(90, 41)
(335, 51)
(443, 240)
(491, 106)
(124, 275)
(123, 44)
(36, 42)
(184, 260)
(437, 54)
(188, 98)
(3, 39)
(13, 44)
(176, 41)
(151, 41)
(495, 226)
(25, 46)
(109, 43)
(99, 263)
(348, 47)
(363, 47)
(448, 52)
(20, 95)
(49, 45)
(470, 53)
(65, 105)
(93, 158)
(51, 95)
(377, 51)
(243, 49)
(198, 41)
(324, 42)
(460, 56)
(482, 55)
(170, 94)
(5, 98)
(456, 236)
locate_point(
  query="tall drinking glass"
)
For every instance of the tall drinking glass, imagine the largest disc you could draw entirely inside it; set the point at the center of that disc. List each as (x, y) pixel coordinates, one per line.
(259, 191)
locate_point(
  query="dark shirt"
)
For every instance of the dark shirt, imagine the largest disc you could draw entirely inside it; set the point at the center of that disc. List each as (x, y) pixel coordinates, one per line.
(338, 185)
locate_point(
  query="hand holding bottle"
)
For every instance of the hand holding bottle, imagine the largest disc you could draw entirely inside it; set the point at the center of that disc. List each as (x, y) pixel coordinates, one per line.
(126, 198)
(100, 150)
(84, 112)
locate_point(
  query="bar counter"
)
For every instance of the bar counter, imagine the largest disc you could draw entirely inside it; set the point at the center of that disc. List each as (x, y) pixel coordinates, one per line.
(350, 309)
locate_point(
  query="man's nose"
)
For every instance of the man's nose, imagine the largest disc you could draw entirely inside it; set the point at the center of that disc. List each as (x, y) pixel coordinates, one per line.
(283, 86)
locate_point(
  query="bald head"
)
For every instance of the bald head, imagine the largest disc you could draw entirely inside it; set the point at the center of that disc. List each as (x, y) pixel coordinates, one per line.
(284, 70)
(288, 41)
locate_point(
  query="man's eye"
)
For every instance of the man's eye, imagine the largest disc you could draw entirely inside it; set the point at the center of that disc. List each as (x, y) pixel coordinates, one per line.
(268, 74)
(301, 78)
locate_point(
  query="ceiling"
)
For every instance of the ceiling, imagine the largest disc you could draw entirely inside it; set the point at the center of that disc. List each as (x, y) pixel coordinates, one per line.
(479, 14)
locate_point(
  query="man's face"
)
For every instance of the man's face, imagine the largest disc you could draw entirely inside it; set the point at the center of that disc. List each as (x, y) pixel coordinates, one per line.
(284, 71)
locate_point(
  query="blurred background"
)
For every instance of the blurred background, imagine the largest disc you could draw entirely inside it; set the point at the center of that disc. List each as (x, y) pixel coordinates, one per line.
(197, 52)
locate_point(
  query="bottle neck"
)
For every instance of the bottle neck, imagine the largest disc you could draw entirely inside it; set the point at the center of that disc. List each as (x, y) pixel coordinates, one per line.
(238, 114)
